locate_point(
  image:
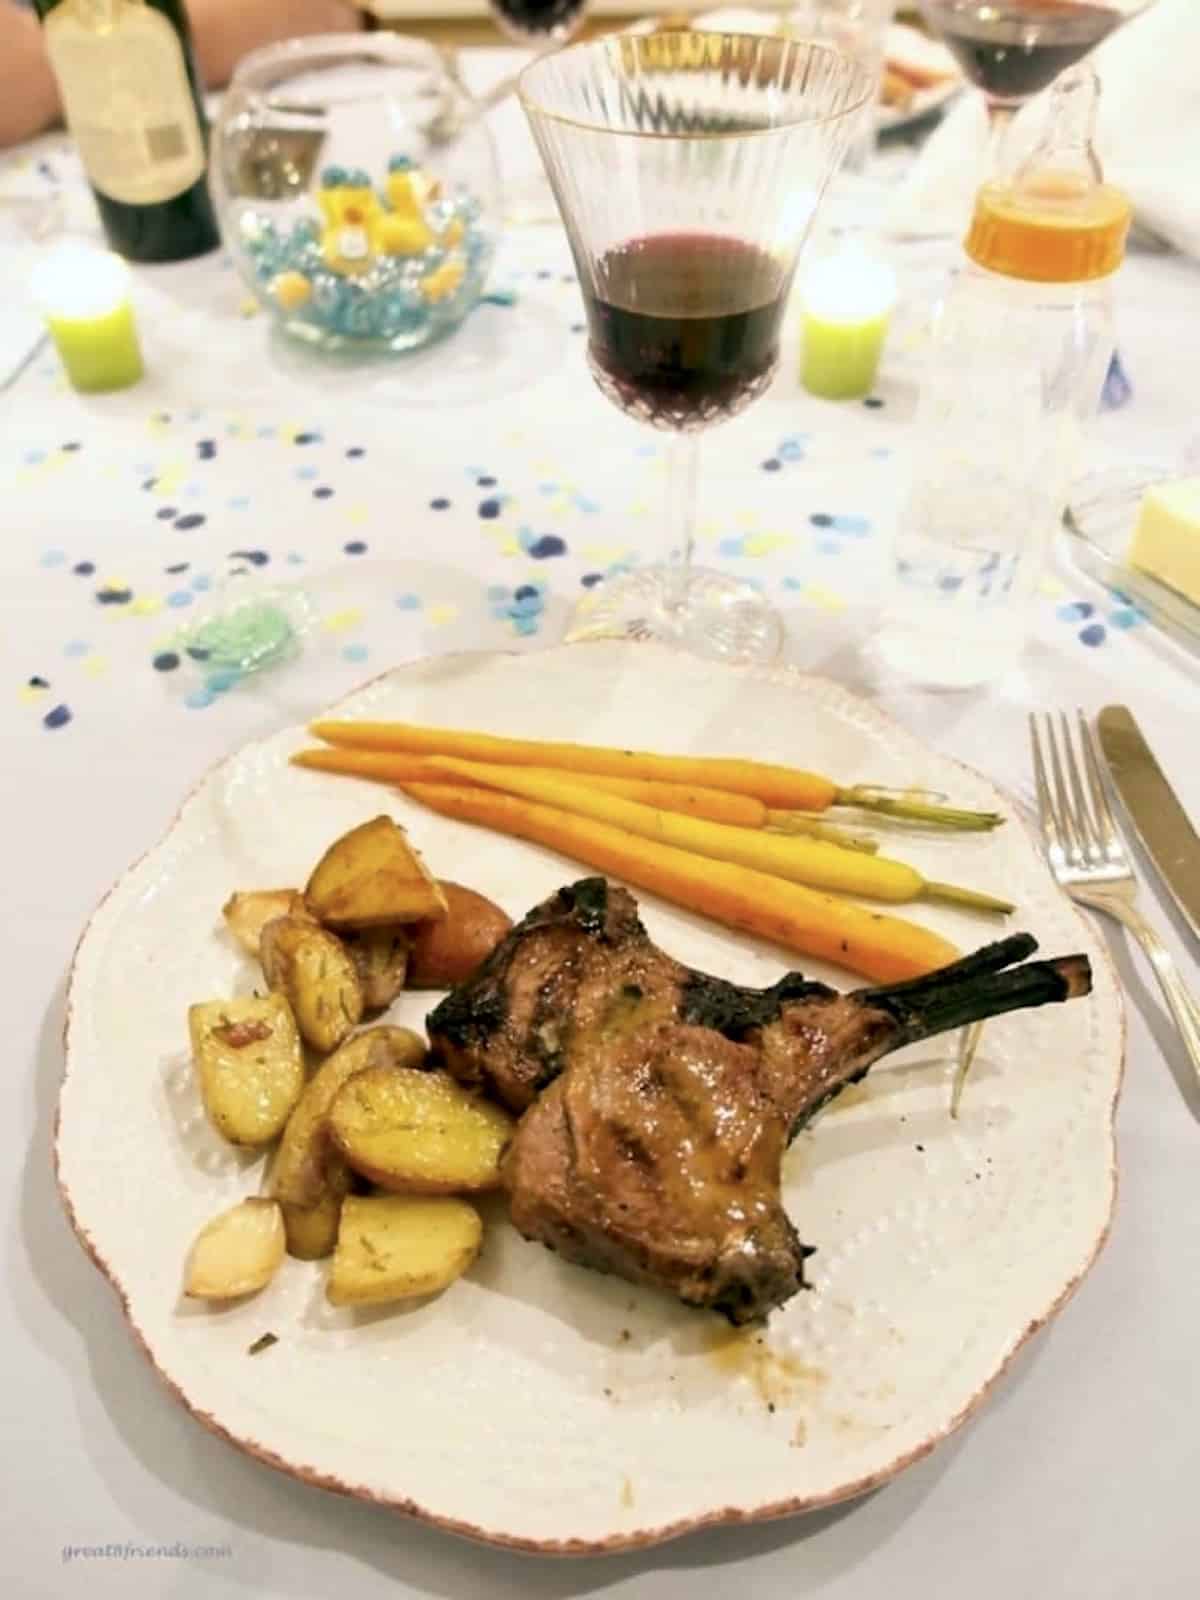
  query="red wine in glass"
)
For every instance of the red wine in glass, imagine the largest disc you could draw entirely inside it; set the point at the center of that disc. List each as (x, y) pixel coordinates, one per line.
(685, 327)
(1014, 49)
(539, 19)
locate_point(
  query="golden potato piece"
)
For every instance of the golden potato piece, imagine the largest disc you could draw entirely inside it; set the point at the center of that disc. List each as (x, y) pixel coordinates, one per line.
(447, 951)
(248, 911)
(396, 1247)
(380, 957)
(311, 967)
(418, 1132)
(299, 1176)
(247, 1056)
(312, 1230)
(372, 876)
(236, 1253)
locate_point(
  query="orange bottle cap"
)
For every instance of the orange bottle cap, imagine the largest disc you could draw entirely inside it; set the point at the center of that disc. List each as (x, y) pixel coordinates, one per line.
(1050, 227)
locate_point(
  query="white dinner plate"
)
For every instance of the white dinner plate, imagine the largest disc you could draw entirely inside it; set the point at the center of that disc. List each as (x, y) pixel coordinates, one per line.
(537, 1404)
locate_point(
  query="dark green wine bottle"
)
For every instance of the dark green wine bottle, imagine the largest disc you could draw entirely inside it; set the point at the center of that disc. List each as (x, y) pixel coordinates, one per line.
(131, 95)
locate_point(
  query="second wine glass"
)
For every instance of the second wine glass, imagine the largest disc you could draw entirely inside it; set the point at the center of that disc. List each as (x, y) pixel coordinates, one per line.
(688, 168)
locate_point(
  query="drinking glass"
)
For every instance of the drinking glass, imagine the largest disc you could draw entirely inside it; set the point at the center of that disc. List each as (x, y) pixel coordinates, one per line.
(688, 168)
(1013, 49)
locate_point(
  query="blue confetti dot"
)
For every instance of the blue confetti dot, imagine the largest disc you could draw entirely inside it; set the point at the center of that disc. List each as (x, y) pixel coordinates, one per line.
(308, 471)
(202, 583)
(355, 652)
(1094, 634)
(84, 569)
(322, 492)
(489, 509)
(75, 648)
(239, 502)
(829, 547)
(149, 484)
(256, 558)
(1076, 611)
(880, 453)
(548, 545)
(197, 652)
(496, 594)
(37, 682)
(821, 519)
(166, 661)
(166, 513)
(206, 449)
(355, 547)
(199, 698)
(950, 583)
(177, 567)
(588, 507)
(873, 403)
(771, 464)
(440, 504)
(295, 559)
(793, 583)
(31, 458)
(222, 680)
(179, 598)
(408, 602)
(1125, 617)
(355, 451)
(790, 450)
(591, 579)
(53, 558)
(734, 545)
(499, 297)
(114, 597)
(853, 525)
(193, 519)
(527, 591)
(486, 481)
(307, 438)
(525, 625)
(57, 718)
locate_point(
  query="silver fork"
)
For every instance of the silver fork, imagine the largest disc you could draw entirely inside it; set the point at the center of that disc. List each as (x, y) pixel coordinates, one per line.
(1088, 858)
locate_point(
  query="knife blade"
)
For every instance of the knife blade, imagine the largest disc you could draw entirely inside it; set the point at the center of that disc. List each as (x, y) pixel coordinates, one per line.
(1160, 822)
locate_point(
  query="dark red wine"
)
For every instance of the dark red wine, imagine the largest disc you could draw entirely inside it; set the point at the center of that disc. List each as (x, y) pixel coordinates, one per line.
(685, 327)
(1015, 48)
(537, 18)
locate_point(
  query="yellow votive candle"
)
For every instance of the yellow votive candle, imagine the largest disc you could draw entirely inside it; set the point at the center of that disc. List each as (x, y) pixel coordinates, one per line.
(847, 304)
(84, 296)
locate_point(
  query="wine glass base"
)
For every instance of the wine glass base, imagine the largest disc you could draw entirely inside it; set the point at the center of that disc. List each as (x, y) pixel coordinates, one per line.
(708, 613)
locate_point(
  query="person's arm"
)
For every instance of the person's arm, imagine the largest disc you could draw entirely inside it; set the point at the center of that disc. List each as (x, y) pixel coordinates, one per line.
(28, 92)
(225, 30)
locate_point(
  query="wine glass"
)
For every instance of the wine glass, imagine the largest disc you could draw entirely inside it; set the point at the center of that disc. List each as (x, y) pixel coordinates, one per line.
(688, 168)
(1013, 49)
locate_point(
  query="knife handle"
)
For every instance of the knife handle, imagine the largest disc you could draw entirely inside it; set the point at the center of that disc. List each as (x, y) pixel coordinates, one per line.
(1176, 993)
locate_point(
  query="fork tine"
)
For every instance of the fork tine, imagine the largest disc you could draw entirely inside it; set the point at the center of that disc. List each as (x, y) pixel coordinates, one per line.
(1089, 834)
(1109, 834)
(1051, 837)
(1074, 845)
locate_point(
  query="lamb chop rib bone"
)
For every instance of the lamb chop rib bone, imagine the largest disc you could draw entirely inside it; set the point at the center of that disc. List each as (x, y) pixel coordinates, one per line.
(658, 1101)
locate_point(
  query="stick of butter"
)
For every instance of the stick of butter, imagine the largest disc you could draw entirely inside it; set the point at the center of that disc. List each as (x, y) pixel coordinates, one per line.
(1166, 541)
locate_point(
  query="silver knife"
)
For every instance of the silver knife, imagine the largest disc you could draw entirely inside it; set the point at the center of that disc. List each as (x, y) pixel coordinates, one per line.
(1160, 822)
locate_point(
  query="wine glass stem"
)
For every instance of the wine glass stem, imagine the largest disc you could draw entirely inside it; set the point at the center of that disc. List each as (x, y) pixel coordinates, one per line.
(683, 457)
(1000, 119)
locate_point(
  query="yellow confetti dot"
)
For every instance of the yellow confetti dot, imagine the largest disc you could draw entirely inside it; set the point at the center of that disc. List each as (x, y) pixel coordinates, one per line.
(32, 691)
(1051, 587)
(358, 514)
(248, 307)
(825, 599)
(145, 605)
(639, 508)
(761, 544)
(440, 614)
(95, 666)
(606, 552)
(509, 547)
(340, 621)
(169, 480)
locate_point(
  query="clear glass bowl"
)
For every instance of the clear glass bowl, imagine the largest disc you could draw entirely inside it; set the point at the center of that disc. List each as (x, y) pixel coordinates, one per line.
(358, 189)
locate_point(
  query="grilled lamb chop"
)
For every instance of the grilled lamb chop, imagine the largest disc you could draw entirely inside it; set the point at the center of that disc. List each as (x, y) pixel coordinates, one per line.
(658, 1101)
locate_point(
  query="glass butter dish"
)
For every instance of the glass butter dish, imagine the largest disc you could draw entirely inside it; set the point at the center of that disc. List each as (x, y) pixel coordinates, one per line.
(1100, 521)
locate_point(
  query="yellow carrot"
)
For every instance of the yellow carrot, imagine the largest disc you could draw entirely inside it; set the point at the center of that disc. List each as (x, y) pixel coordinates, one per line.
(881, 947)
(800, 860)
(787, 788)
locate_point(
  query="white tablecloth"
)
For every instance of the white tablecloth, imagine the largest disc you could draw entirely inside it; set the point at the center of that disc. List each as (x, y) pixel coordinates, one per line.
(463, 502)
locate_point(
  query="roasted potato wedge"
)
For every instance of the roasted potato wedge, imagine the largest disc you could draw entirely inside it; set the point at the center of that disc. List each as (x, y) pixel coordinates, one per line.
(236, 1253)
(312, 1230)
(447, 951)
(380, 957)
(248, 1061)
(248, 911)
(418, 1132)
(396, 1247)
(311, 967)
(371, 877)
(299, 1176)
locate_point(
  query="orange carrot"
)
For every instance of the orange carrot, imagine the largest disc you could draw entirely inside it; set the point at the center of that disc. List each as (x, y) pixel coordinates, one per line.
(881, 947)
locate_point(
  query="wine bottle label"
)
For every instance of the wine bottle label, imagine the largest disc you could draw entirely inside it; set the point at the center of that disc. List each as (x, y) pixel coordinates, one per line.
(128, 103)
